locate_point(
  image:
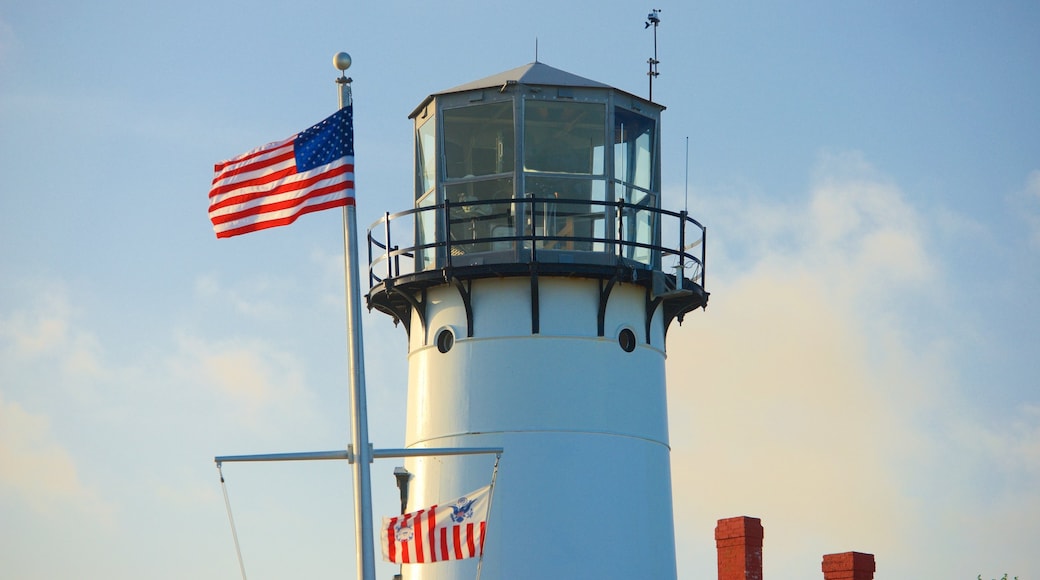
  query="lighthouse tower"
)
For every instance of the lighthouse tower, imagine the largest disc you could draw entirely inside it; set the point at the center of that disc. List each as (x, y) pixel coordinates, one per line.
(537, 276)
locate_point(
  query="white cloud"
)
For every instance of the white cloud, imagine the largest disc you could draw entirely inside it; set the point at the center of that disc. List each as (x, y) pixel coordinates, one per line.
(821, 395)
(253, 376)
(35, 467)
(863, 227)
(44, 330)
(784, 420)
(255, 300)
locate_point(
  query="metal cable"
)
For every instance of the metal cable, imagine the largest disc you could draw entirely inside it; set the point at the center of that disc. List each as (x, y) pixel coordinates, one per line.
(231, 518)
(487, 520)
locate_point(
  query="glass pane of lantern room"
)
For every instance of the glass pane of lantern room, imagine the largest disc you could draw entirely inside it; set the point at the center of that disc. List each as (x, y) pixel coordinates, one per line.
(478, 140)
(478, 153)
(426, 231)
(633, 149)
(480, 218)
(426, 156)
(633, 170)
(564, 137)
(564, 157)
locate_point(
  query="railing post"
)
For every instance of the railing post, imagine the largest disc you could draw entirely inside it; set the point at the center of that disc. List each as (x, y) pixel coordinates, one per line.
(534, 233)
(704, 265)
(620, 213)
(386, 228)
(680, 283)
(371, 276)
(446, 224)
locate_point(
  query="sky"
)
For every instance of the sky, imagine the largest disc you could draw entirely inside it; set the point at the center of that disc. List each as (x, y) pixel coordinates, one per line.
(865, 376)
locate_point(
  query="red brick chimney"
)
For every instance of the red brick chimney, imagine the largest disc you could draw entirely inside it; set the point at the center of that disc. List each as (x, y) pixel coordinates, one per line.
(848, 566)
(739, 543)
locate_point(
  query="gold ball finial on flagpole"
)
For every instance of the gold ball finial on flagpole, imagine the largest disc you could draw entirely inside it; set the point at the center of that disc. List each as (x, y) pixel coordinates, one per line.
(341, 61)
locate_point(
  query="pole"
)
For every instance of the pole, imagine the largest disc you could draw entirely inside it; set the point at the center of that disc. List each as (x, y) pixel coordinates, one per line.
(364, 545)
(654, 19)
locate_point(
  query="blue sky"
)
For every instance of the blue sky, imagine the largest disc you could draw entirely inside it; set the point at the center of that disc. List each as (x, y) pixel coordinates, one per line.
(865, 377)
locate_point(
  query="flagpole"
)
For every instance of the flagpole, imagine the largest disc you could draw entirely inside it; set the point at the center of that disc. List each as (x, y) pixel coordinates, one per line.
(364, 545)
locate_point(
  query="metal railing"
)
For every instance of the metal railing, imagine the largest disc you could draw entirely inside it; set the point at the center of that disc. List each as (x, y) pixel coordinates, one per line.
(517, 230)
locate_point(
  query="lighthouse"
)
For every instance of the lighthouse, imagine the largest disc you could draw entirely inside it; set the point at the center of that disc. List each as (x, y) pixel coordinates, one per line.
(537, 276)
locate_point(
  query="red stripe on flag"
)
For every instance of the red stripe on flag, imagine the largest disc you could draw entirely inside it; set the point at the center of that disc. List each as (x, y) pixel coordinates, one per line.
(419, 555)
(471, 540)
(456, 533)
(391, 541)
(405, 551)
(444, 544)
(431, 532)
(483, 531)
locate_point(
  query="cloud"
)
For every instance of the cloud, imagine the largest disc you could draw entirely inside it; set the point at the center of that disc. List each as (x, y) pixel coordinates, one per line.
(782, 416)
(44, 330)
(863, 227)
(253, 377)
(41, 329)
(34, 466)
(821, 394)
(252, 302)
(990, 477)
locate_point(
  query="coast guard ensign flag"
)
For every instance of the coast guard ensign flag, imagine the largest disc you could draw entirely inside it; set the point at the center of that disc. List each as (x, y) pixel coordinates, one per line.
(439, 532)
(274, 184)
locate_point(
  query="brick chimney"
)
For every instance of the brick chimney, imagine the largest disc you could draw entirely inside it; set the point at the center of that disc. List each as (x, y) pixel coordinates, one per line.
(848, 566)
(739, 543)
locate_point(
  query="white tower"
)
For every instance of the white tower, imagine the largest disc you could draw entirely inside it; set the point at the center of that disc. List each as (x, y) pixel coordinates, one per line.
(537, 276)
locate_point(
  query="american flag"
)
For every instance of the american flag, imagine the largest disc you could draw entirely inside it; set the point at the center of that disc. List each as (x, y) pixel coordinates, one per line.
(274, 184)
(439, 532)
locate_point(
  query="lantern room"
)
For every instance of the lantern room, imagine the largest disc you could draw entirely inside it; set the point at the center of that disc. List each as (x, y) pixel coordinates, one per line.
(537, 166)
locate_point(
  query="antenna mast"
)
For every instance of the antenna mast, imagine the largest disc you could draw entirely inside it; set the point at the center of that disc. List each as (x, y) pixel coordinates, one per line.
(655, 19)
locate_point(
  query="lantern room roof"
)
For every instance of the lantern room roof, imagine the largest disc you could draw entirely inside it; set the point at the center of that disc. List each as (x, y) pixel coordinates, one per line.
(535, 73)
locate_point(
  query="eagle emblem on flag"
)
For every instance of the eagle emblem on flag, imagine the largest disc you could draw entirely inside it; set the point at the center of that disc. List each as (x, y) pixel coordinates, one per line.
(403, 532)
(462, 510)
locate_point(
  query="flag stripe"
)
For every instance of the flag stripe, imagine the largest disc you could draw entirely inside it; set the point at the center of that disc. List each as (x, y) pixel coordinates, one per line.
(444, 545)
(431, 533)
(406, 552)
(483, 532)
(393, 540)
(418, 538)
(471, 539)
